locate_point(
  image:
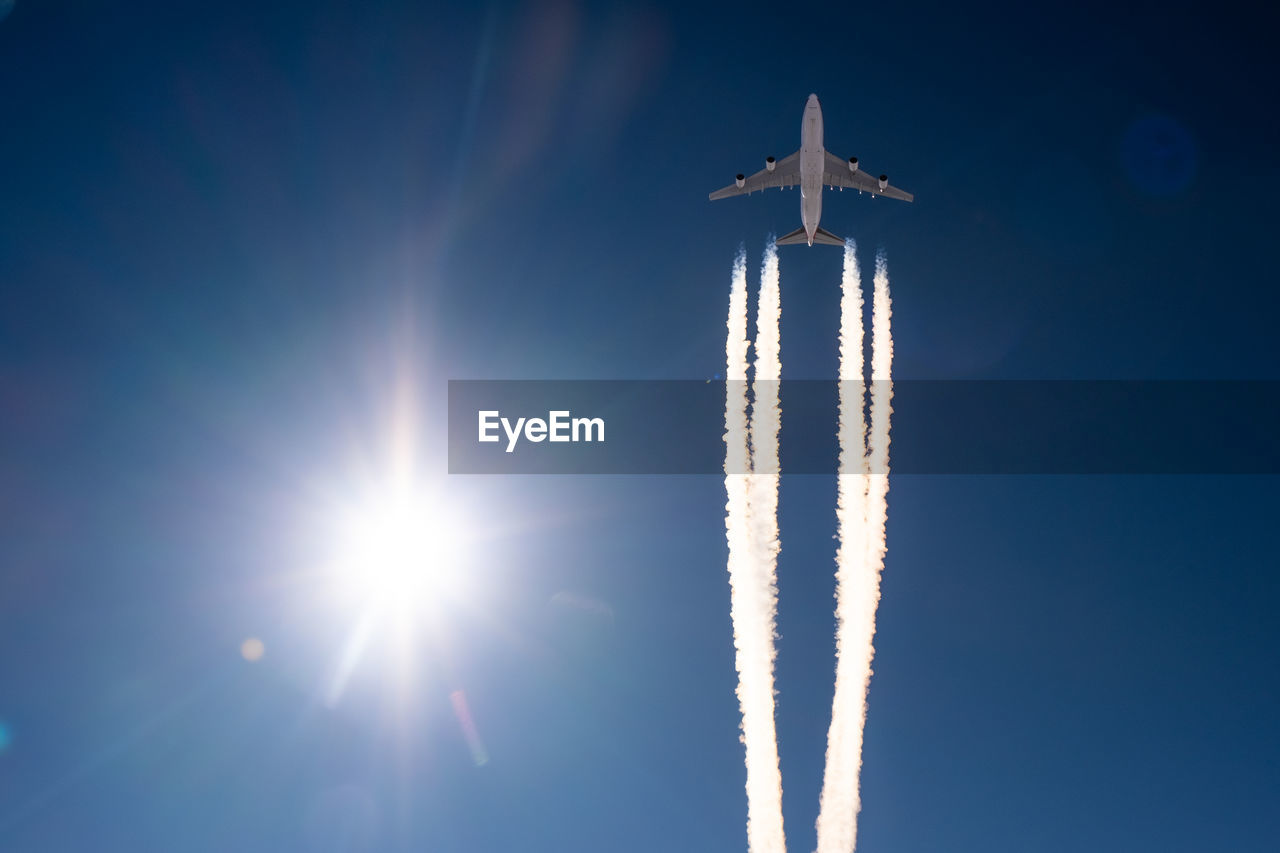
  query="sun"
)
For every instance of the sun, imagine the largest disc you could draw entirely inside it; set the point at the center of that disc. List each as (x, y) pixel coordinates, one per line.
(400, 549)
(397, 565)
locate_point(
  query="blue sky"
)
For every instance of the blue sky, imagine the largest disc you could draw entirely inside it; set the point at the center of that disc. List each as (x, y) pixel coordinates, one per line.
(227, 233)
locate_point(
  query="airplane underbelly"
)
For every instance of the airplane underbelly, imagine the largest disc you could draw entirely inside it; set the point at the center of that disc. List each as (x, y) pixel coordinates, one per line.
(812, 159)
(811, 206)
(810, 186)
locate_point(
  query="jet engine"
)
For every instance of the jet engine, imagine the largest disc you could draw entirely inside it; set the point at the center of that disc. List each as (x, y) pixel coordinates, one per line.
(770, 163)
(741, 181)
(884, 181)
(853, 164)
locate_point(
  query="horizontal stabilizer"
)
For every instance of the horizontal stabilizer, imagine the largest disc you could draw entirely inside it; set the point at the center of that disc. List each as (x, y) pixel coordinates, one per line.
(796, 236)
(822, 236)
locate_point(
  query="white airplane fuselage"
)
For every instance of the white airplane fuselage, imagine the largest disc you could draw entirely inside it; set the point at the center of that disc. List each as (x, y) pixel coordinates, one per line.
(812, 161)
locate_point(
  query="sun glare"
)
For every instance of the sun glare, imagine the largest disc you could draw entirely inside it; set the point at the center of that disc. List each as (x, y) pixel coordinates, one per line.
(397, 559)
(397, 551)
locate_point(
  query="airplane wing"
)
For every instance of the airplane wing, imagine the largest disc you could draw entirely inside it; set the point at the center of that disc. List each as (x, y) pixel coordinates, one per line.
(786, 173)
(836, 174)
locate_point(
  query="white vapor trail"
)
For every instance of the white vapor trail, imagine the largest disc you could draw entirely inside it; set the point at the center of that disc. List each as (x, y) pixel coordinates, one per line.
(837, 817)
(751, 529)
(861, 511)
(766, 419)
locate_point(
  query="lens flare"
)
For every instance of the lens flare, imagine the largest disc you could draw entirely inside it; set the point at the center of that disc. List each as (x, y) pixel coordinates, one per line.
(252, 649)
(469, 731)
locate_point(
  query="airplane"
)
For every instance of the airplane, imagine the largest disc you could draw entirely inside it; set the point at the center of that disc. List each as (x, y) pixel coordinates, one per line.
(812, 167)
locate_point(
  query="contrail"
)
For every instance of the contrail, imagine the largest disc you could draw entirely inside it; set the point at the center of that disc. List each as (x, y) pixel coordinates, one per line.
(881, 389)
(766, 419)
(837, 817)
(751, 531)
(861, 511)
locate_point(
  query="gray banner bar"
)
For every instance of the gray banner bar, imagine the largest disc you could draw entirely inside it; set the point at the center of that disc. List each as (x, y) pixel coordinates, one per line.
(938, 427)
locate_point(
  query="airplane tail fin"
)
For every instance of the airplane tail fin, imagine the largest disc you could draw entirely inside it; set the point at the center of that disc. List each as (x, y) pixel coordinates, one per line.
(822, 236)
